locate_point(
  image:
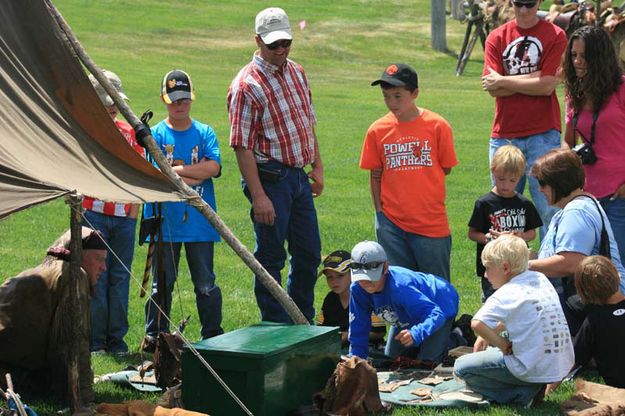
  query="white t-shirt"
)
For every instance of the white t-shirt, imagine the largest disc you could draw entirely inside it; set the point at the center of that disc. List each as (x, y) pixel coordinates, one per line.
(529, 307)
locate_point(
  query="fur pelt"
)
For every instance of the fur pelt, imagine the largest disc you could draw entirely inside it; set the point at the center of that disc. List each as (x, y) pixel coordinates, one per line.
(352, 390)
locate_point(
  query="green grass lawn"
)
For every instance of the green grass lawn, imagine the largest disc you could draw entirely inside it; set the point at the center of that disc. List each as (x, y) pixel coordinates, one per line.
(345, 45)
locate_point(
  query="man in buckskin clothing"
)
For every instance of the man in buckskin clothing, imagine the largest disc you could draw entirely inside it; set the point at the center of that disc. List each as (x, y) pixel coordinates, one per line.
(35, 327)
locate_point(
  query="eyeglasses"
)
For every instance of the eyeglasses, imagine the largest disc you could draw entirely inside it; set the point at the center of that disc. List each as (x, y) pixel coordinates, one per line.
(284, 43)
(526, 4)
(366, 266)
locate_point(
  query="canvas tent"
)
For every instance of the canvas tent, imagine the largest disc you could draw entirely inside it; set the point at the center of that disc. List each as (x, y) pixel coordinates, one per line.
(55, 135)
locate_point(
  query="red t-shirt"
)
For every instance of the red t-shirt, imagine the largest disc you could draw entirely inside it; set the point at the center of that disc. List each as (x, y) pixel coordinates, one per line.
(114, 208)
(511, 50)
(412, 156)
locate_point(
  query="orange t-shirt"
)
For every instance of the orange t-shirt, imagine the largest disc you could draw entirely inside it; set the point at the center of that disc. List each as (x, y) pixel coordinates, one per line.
(412, 156)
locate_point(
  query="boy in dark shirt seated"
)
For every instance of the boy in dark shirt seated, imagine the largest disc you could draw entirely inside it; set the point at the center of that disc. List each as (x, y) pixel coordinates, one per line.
(335, 309)
(602, 334)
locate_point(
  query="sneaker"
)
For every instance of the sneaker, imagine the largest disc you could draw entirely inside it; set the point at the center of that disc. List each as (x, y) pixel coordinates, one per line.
(148, 344)
(99, 352)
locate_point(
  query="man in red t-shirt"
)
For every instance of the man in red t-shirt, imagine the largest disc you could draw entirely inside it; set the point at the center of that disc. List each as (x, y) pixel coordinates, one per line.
(521, 60)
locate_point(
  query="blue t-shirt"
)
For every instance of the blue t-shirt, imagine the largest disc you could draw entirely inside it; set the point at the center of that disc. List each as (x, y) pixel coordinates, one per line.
(181, 221)
(410, 300)
(577, 228)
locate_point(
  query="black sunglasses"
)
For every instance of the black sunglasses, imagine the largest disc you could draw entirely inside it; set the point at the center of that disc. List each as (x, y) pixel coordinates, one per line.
(366, 266)
(527, 4)
(284, 43)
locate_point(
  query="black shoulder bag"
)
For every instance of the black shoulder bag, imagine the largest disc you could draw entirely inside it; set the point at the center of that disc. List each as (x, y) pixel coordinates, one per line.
(577, 308)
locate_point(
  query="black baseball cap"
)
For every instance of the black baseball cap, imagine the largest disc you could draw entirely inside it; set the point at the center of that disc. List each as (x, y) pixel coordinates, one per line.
(176, 86)
(399, 75)
(337, 261)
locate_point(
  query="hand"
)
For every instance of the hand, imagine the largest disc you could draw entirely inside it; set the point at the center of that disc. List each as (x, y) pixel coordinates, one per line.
(316, 176)
(490, 81)
(551, 387)
(480, 344)
(263, 210)
(405, 337)
(506, 347)
(620, 193)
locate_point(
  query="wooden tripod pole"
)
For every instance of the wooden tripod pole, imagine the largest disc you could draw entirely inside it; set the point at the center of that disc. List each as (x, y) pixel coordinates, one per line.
(192, 197)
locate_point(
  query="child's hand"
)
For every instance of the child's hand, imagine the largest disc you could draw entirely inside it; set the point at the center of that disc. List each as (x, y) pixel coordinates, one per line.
(506, 347)
(480, 344)
(405, 338)
(551, 387)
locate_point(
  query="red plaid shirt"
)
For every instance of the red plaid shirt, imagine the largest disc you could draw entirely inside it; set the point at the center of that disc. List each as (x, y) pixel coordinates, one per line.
(271, 112)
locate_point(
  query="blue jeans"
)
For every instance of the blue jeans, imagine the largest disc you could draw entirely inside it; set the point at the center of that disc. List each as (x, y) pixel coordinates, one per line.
(615, 211)
(433, 348)
(533, 147)
(413, 251)
(207, 294)
(109, 306)
(295, 223)
(485, 372)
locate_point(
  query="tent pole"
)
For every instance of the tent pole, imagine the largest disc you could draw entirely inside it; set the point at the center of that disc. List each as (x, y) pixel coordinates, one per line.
(76, 315)
(193, 198)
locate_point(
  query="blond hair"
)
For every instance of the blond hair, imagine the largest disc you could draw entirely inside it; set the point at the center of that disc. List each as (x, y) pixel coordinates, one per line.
(596, 279)
(507, 248)
(509, 159)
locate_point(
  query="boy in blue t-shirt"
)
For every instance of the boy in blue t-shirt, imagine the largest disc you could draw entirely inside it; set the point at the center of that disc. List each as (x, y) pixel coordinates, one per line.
(192, 150)
(420, 307)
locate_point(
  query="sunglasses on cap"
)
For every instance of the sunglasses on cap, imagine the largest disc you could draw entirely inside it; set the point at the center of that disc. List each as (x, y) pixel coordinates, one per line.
(366, 266)
(526, 4)
(284, 43)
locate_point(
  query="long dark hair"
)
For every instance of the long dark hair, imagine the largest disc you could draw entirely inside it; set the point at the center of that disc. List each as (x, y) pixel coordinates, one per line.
(603, 73)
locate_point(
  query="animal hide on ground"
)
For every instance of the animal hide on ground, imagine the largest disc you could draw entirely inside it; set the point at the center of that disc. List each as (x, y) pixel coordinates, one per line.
(141, 408)
(352, 390)
(592, 399)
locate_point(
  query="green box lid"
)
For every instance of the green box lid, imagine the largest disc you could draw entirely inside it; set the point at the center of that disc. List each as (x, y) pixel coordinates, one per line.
(265, 339)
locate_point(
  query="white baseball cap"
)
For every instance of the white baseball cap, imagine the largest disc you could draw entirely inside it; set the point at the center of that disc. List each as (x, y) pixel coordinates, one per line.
(368, 258)
(272, 24)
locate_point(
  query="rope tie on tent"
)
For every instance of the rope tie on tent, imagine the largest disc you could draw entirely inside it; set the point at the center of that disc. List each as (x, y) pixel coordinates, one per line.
(186, 341)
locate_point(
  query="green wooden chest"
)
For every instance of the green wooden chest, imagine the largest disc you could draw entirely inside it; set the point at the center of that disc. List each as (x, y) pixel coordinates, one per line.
(271, 368)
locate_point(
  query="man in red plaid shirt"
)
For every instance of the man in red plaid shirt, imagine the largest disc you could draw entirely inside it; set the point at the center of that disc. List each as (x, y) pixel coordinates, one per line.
(272, 132)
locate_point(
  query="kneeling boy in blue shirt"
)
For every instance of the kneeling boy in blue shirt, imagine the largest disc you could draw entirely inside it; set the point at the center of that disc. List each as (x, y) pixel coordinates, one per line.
(420, 307)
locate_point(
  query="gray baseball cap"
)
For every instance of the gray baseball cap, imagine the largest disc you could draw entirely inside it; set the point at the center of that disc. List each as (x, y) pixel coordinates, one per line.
(368, 258)
(99, 89)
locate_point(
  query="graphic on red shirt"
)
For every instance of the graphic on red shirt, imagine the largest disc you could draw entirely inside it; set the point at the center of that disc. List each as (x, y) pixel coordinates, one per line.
(522, 55)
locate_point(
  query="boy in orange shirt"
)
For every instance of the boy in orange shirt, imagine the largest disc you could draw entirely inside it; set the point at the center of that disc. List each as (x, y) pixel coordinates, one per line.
(409, 152)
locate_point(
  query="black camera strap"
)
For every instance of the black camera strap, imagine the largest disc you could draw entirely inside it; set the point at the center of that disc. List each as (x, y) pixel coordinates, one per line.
(604, 243)
(595, 116)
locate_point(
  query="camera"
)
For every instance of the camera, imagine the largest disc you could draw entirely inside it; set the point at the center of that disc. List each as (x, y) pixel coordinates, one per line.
(585, 153)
